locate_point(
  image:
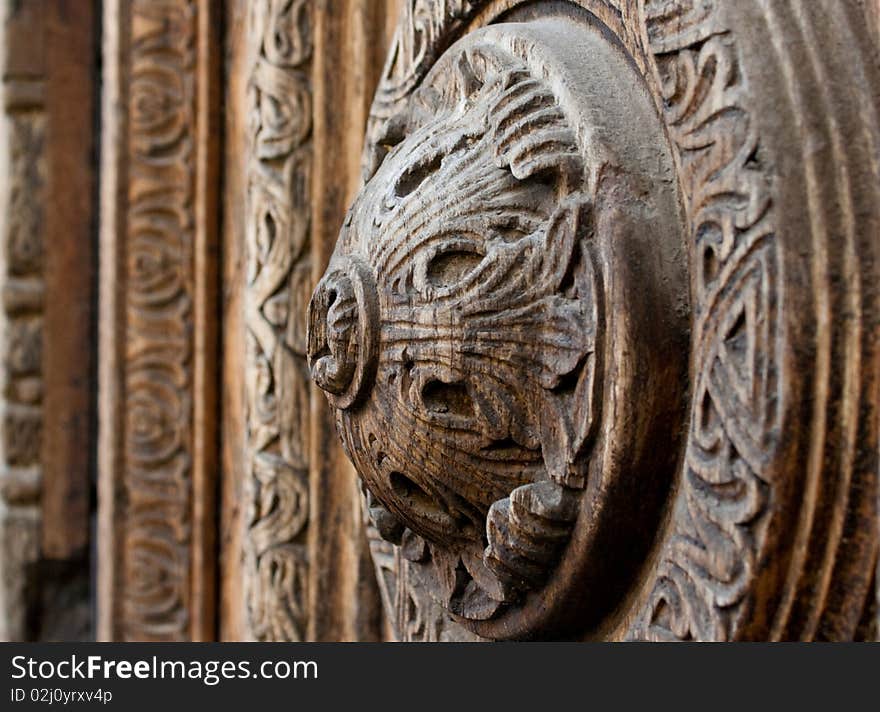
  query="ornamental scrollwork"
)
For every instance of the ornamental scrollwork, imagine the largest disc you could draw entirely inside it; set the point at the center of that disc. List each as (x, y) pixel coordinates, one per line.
(596, 329)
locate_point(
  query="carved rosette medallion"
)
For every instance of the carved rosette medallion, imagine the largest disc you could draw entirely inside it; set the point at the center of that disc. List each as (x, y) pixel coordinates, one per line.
(578, 330)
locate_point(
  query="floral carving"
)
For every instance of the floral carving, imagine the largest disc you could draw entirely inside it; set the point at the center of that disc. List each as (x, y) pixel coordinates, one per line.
(459, 329)
(158, 359)
(778, 422)
(278, 273)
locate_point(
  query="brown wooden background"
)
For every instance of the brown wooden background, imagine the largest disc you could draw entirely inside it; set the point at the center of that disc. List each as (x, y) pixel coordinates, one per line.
(180, 169)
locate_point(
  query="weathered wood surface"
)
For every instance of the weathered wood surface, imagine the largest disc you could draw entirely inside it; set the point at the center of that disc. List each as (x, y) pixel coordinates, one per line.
(158, 407)
(48, 172)
(344, 599)
(237, 56)
(533, 281)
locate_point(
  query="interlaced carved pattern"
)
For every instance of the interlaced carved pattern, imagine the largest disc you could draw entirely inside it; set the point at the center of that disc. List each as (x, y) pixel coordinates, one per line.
(701, 590)
(278, 274)
(706, 565)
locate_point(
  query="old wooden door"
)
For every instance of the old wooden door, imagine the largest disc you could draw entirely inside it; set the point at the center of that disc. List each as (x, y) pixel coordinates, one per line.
(599, 333)
(441, 319)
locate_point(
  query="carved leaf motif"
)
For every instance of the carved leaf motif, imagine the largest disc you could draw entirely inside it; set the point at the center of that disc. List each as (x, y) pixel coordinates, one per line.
(278, 269)
(476, 231)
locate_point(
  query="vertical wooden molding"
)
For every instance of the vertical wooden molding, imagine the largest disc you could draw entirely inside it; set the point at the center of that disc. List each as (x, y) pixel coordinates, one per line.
(206, 386)
(158, 336)
(69, 348)
(238, 54)
(22, 274)
(47, 277)
(350, 41)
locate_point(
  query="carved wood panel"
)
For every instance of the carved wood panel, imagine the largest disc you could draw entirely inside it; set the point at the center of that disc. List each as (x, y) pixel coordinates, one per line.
(600, 332)
(278, 276)
(157, 448)
(47, 276)
(294, 563)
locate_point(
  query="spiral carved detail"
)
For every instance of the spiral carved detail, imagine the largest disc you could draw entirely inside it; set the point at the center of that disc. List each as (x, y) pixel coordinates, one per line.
(462, 329)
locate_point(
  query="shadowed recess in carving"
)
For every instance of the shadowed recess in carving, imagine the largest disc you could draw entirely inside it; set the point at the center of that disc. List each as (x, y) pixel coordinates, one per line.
(446, 269)
(410, 181)
(439, 397)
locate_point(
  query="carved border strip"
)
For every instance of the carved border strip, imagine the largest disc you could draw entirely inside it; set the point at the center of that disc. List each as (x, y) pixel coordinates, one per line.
(158, 242)
(426, 28)
(704, 585)
(278, 280)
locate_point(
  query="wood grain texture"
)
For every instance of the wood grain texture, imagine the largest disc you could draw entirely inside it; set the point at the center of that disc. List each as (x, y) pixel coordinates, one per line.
(48, 58)
(768, 528)
(238, 60)
(293, 554)
(342, 596)
(157, 410)
(872, 13)
(69, 352)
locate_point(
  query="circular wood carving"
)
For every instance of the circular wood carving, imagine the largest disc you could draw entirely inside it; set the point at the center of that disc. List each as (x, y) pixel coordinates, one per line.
(601, 329)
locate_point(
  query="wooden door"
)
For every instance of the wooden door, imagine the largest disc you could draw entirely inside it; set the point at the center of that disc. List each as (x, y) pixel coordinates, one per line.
(441, 319)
